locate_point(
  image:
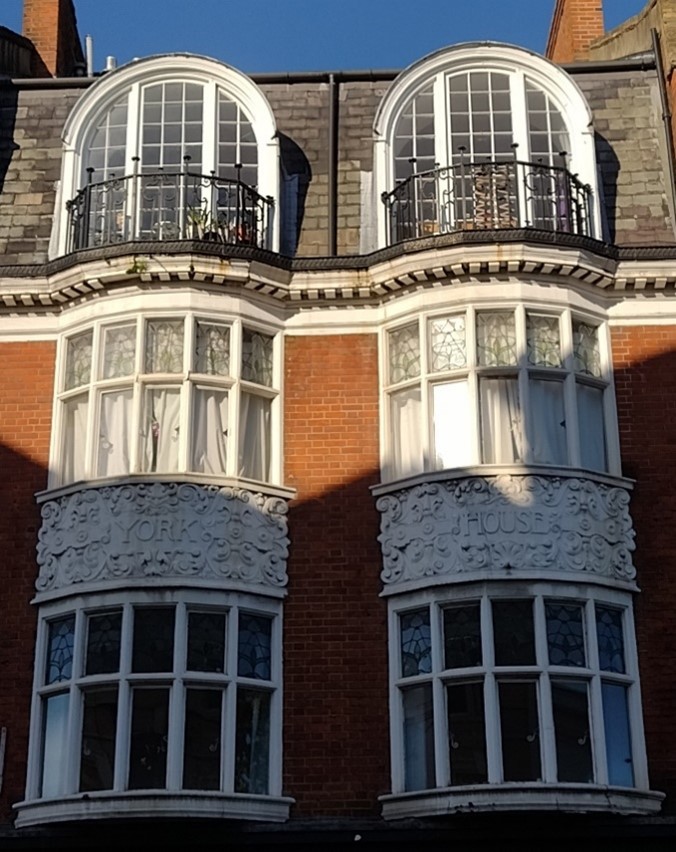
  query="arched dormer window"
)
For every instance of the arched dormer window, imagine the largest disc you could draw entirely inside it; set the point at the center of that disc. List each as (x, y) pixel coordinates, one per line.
(484, 137)
(167, 148)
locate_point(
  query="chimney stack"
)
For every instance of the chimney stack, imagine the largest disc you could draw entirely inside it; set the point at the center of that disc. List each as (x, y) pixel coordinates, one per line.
(575, 25)
(51, 26)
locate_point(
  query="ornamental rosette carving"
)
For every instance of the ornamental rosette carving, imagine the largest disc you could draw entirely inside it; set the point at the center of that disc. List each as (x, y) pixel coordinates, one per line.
(518, 523)
(170, 530)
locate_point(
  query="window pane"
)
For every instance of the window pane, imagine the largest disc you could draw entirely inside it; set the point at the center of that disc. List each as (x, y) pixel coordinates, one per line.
(565, 634)
(547, 439)
(513, 633)
(115, 430)
(519, 727)
(254, 431)
(210, 431)
(404, 353)
(103, 643)
(119, 351)
(256, 357)
(161, 430)
(202, 755)
(543, 341)
(97, 760)
(416, 642)
(74, 427)
(571, 726)
(407, 451)
(54, 745)
(618, 735)
(586, 352)
(501, 433)
(496, 339)
(252, 746)
(213, 349)
(466, 734)
(591, 426)
(153, 648)
(448, 345)
(164, 346)
(60, 650)
(462, 636)
(610, 639)
(149, 735)
(206, 642)
(452, 425)
(419, 771)
(254, 657)
(78, 360)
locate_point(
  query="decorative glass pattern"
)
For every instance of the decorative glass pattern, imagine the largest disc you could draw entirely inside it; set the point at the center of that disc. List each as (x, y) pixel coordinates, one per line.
(206, 642)
(103, 643)
(213, 349)
(586, 352)
(462, 636)
(448, 343)
(257, 357)
(119, 350)
(610, 639)
(60, 650)
(513, 633)
(565, 634)
(254, 646)
(416, 643)
(153, 646)
(404, 353)
(164, 346)
(543, 341)
(78, 360)
(496, 338)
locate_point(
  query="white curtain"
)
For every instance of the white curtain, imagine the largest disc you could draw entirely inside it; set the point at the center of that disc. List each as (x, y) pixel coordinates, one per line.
(591, 425)
(452, 425)
(115, 433)
(74, 437)
(210, 431)
(548, 422)
(254, 437)
(501, 435)
(160, 430)
(418, 738)
(407, 452)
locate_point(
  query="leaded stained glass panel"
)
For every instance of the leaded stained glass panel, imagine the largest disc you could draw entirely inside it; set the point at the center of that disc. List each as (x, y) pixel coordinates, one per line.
(462, 636)
(257, 357)
(448, 343)
(416, 643)
(404, 353)
(164, 346)
(213, 349)
(586, 352)
(254, 646)
(610, 639)
(206, 642)
(60, 650)
(103, 643)
(543, 341)
(565, 634)
(78, 360)
(496, 338)
(119, 350)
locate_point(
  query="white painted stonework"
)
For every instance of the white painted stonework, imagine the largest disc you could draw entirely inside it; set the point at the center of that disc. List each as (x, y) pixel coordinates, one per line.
(165, 530)
(505, 526)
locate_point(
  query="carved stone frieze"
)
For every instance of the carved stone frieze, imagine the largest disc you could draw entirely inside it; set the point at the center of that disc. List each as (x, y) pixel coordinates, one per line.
(160, 529)
(522, 523)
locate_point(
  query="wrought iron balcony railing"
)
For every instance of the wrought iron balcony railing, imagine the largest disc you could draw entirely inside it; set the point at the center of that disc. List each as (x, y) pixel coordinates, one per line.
(166, 205)
(488, 195)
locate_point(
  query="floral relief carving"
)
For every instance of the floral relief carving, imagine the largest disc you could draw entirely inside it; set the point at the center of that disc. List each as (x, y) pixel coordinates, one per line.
(519, 523)
(159, 529)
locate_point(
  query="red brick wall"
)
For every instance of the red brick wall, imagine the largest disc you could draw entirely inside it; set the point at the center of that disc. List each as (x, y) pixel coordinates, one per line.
(52, 27)
(336, 733)
(575, 25)
(645, 365)
(25, 422)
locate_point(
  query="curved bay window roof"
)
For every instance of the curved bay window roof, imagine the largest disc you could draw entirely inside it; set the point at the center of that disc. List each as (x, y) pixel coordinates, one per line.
(170, 148)
(484, 136)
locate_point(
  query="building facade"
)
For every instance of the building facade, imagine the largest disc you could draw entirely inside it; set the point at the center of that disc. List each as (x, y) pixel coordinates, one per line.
(336, 432)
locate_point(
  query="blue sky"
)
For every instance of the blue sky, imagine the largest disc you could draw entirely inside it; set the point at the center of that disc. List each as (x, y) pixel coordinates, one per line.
(306, 35)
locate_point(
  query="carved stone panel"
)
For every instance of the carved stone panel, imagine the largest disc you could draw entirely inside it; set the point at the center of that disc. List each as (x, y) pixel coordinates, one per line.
(172, 530)
(523, 524)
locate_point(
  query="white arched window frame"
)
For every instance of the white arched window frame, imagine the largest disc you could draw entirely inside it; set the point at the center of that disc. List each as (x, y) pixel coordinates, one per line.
(129, 82)
(520, 66)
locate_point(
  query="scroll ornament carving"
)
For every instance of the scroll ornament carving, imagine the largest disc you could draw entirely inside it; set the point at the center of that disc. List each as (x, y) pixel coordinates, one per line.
(522, 523)
(173, 530)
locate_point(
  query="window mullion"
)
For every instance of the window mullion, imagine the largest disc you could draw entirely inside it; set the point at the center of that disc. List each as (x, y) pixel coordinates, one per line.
(636, 730)
(124, 703)
(547, 733)
(525, 414)
(177, 701)
(229, 726)
(441, 761)
(492, 709)
(210, 129)
(473, 384)
(396, 709)
(74, 730)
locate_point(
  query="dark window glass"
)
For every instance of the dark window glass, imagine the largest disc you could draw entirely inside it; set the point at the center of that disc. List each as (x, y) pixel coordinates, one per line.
(462, 636)
(253, 650)
(54, 744)
(252, 746)
(103, 643)
(418, 738)
(565, 634)
(206, 642)
(513, 633)
(153, 648)
(610, 639)
(202, 756)
(60, 650)
(571, 726)
(416, 643)
(149, 733)
(97, 760)
(520, 731)
(466, 734)
(618, 735)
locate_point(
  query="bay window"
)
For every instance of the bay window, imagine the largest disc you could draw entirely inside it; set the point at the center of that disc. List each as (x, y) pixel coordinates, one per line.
(167, 394)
